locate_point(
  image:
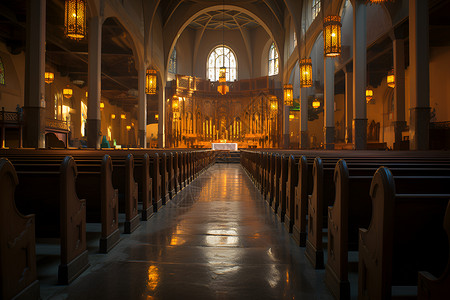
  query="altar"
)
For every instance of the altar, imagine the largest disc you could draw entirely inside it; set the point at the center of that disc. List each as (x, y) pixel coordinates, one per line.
(224, 146)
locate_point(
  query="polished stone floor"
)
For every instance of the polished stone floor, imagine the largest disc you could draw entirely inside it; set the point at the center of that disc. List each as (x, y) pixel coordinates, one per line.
(217, 239)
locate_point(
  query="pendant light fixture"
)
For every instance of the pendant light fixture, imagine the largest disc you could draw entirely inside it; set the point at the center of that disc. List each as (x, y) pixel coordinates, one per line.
(75, 19)
(305, 68)
(316, 103)
(150, 82)
(288, 95)
(68, 92)
(332, 34)
(49, 77)
(391, 79)
(223, 88)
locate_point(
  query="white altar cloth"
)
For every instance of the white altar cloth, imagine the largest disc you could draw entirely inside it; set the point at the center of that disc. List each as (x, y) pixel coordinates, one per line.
(224, 146)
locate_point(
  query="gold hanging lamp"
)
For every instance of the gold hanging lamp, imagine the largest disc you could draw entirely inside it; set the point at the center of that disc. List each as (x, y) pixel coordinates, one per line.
(75, 19)
(49, 77)
(316, 103)
(68, 92)
(332, 36)
(223, 88)
(150, 82)
(288, 95)
(391, 79)
(369, 94)
(305, 73)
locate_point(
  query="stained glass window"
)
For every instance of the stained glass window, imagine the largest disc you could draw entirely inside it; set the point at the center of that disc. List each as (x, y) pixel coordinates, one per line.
(273, 60)
(315, 8)
(173, 62)
(2, 73)
(222, 56)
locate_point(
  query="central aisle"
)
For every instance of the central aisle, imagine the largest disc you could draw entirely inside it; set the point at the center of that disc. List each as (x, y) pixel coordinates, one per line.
(217, 239)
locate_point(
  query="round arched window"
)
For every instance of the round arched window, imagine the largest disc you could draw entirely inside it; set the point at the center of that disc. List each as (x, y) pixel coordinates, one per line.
(221, 56)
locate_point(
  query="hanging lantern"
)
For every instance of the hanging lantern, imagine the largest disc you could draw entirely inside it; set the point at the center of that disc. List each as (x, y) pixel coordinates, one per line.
(49, 77)
(156, 117)
(123, 116)
(67, 93)
(150, 82)
(332, 36)
(369, 95)
(75, 19)
(288, 95)
(391, 79)
(223, 88)
(274, 104)
(291, 117)
(175, 105)
(102, 105)
(305, 73)
(128, 127)
(113, 116)
(316, 103)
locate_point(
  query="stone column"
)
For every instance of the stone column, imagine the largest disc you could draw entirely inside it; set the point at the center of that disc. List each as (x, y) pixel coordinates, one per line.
(399, 122)
(303, 132)
(286, 138)
(34, 108)
(419, 75)
(162, 117)
(328, 126)
(142, 105)
(348, 103)
(95, 82)
(359, 133)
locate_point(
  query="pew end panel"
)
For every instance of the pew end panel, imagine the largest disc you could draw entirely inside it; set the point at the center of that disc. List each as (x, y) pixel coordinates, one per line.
(314, 245)
(74, 254)
(301, 203)
(18, 273)
(430, 287)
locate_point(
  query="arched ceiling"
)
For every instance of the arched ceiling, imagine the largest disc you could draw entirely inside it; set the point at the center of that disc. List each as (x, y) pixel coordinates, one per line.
(224, 19)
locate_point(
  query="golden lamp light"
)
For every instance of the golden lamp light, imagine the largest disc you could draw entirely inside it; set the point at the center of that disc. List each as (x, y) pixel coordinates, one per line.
(150, 82)
(67, 93)
(305, 73)
(223, 88)
(316, 103)
(113, 116)
(332, 36)
(369, 95)
(288, 95)
(49, 77)
(391, 79)
(75, 19)
(123, 116)
(128, 127)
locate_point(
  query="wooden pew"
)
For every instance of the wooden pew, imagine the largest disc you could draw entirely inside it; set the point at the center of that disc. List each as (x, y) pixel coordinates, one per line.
(405, 234)
(18, 274)
(48, 190)
(281, 210)
(432, 287)
(123, 179)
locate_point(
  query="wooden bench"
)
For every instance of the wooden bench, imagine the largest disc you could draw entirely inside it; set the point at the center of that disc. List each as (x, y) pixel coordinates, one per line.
(352, 209)
(49, 192)
(18, 275)
(405, 235)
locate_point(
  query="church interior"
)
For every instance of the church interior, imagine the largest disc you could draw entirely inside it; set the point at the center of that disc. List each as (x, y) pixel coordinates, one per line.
(224, 149)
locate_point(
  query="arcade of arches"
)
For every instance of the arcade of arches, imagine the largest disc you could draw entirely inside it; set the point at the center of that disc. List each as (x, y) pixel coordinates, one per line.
(258, 42)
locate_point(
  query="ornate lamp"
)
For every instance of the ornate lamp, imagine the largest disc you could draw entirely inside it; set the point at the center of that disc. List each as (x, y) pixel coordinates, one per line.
(150, 82)
(316, 103)
(291, 117)
(288, 95)
(75, 19)
(223, 87)
(156, 117)
(128, 127)
(369, 95)
(175, 105)
(391, 79)
(113, 116)
(123, 116)
(67, 93)
(332, 36)
(274, 104)
(102, 105)
(49, 77)
(305, 73)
